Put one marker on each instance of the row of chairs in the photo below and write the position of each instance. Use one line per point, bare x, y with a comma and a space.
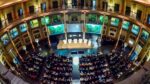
119, 63
95, 69
32, 65
57, 70
86, 41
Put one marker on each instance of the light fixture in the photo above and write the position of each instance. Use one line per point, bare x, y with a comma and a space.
37, 40
125, 45
24, 47
131, 42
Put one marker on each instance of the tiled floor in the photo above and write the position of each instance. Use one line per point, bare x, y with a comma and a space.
76, 82
75, 72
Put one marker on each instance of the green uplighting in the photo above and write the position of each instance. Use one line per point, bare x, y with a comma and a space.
135, 29
145, 35
45, 20
14, 32
92, 17
114, 21
23, 27
125, 25
34, 23
56, 29
56, 18
103, 19
93, 28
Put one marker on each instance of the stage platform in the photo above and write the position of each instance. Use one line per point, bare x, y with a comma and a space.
74, 45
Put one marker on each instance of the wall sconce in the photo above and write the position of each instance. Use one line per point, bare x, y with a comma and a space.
125, 45
24, 48
37, 41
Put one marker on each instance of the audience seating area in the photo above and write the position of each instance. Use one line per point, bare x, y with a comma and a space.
103, 69
119, 63
57, 70
95, 70
32, 65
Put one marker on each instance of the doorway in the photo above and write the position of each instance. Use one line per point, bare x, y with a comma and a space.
31, 9
128, 11
116, 8
55, 4
20, 12
138, 15
9, 17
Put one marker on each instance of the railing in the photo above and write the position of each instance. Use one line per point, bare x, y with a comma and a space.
73, 10
38, 11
